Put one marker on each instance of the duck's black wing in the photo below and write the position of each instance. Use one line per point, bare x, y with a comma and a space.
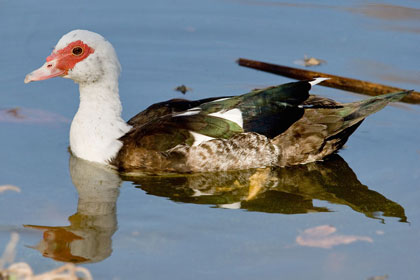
268, 111
169, 107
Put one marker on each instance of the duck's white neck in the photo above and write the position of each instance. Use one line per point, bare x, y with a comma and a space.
98, 125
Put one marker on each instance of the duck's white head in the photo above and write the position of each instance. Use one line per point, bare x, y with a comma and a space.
80, 55
89, 60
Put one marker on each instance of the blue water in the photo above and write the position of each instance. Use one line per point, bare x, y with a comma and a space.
163, 228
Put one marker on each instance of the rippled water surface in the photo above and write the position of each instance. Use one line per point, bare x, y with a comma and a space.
353, 216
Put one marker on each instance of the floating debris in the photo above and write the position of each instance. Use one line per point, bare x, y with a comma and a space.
324, 236
28, 115
383, 277
183, 89
15, 112
380, 232
310, 61
9, 188
23, 271
9, 252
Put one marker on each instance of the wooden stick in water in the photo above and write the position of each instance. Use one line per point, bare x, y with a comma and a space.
334, 81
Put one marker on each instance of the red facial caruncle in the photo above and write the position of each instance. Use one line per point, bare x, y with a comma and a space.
61, 61
69, 56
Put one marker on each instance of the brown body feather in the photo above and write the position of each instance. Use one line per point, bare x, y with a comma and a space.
323, 129
303, 142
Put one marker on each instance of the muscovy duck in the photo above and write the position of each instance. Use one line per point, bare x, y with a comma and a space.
276, 126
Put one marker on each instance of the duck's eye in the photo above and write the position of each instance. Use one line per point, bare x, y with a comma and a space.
77, 51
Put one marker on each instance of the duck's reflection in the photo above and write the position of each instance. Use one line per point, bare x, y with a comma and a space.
88, 237
276, 190
284, 190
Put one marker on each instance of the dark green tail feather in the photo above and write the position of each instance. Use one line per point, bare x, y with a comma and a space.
356, 111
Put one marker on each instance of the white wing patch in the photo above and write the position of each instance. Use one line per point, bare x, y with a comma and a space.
221, 99
199, 138
234, 115
317, 81
198, 193
190, 112
235, 205
197, 110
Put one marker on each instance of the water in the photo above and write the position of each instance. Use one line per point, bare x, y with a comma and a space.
353, 217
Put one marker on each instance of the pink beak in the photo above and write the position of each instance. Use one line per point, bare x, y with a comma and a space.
46, 71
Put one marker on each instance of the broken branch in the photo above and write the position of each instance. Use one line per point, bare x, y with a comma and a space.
334, 81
